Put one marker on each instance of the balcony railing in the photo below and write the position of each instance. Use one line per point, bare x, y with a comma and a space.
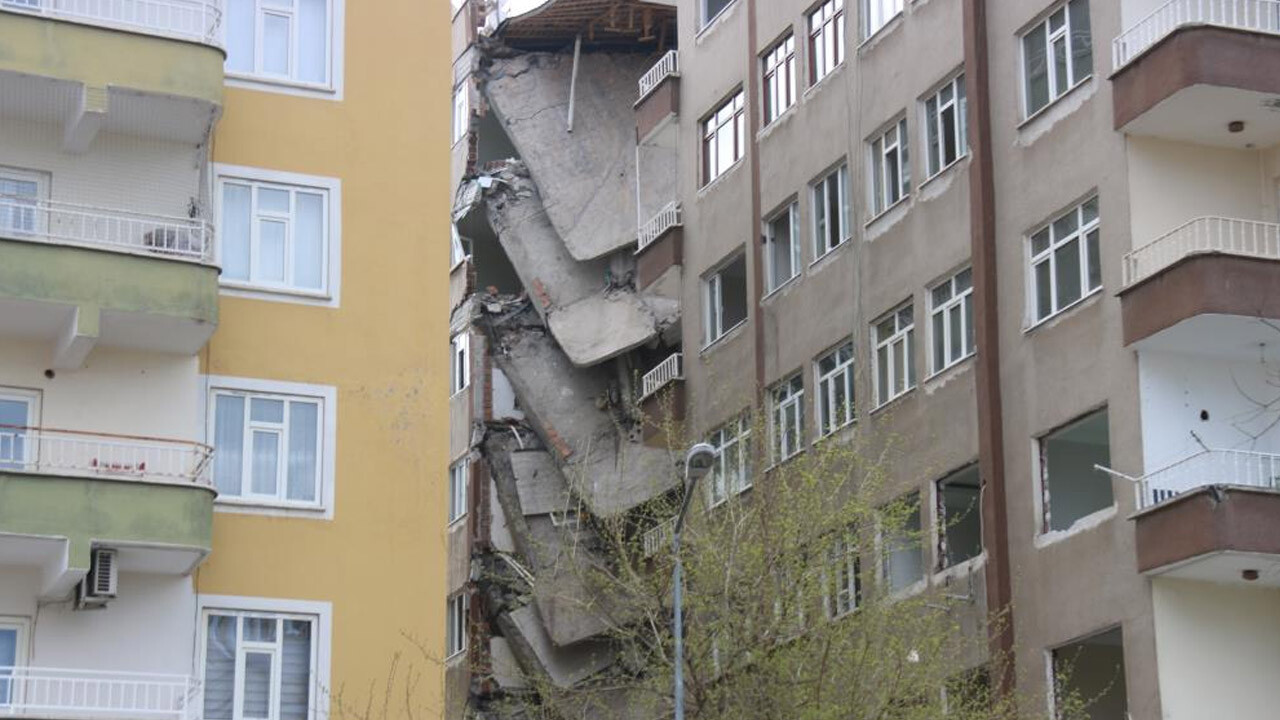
45, 451
194, 20
49, 692
1246, 238
658, 536
667, 65
1254, 15
668, 370
666, 218
179, 238
1209, 467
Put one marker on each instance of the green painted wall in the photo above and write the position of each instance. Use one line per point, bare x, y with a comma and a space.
101, 57
92, 509
105, 280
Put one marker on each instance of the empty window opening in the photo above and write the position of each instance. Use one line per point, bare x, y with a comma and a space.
901, 545
460, 368
959, 517
1073, 488
782, 247
724, 299
1088, 678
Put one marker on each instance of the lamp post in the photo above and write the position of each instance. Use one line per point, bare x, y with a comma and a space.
697, 463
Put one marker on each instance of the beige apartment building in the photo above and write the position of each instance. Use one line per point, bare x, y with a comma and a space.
1033, 242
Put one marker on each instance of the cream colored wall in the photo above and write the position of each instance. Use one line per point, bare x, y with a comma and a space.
1171, 183
1217, 647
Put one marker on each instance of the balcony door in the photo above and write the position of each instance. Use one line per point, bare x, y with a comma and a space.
13, 636
20, 193
19, 411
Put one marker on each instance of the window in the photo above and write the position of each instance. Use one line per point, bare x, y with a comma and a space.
461, 111
959, 497
844, 576
890, 168
951, 308
826, 39
456, 632
712, 8
830, 211
459, 474
1057, 55
779, 78
20, 193
946, 126
460, 362
1072, 487
788, 417
731, 474
878, 13
724, 137
895, 367
459, 247
19, 410
724, 299
901, 544
782, 247
268, 447
13, 636
288, 41
277, 236
1090, 671
259, 665
1065, 263
835, 389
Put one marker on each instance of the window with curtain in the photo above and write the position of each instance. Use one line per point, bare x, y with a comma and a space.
280, 40
267, 447
275, 237
258, 666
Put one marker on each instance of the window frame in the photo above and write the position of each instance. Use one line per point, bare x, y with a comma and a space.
42, 181
868, 31
778, 78
459, 362
887, 550
33, 400
461, 125
714, 125
880, 169
713, 301
904, 334
459, 487
827, 20
331, 89
958, 104
843, 561
330, 188
1051, 36
786, 411
959, 300
941, 521
708, 18
773, 282
822, 215
457, 606
1043, 496
1086, 250
721, 485
21, 625
843, 371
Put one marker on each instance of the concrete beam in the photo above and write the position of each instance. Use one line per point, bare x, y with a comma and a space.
83, 124
77, 338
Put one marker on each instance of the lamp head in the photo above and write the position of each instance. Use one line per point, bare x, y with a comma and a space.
698, 462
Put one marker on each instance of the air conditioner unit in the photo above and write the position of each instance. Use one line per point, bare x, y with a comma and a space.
99, 585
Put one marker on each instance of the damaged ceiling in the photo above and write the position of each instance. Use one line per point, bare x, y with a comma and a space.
601, 23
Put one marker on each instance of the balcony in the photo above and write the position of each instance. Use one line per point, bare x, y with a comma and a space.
659, 245
1201, 71
662, 399
196, 21
47, 693
76, 276
659, 100
64, 491
1190, 278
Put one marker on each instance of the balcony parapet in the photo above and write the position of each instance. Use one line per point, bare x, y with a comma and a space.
1204, 235
163, 236
666, 219
667, 66
47, 451
667, 372
107, 694
1242, 468
1261, 16
191, 20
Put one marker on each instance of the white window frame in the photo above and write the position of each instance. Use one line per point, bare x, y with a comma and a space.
32, 398
958, 304
1064, 35
823, 213
843, 564
888, 151
826, 40
903, 337
726, 482
320, 614
786, 411
459, 362
41, 181
456, 608
331, 189
708, 18
459, 482
826, 385
327, 397
22, 626
877, 14
461, 111
778, 67
773, 280
887, 549
1081, 234
932, 111
729, 117
713, 328
258, 80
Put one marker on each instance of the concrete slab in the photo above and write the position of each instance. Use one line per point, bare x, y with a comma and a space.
541, 486
566, 666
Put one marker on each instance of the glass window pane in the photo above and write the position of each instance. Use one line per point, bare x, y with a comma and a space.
239, 35
968, 324
266, 410
1081, 41
1060, 78
939, 341
1044, 291
235, 231
259, 629
1036, 69
272, 200
266, 462
303, 451
1040, 242
1089, 210
1095, 262
295, 670
257, 685
313, 41
956, 350
949, 150
1067, 272
931, 131
271, 242
275, 44
309, 242
1064, 226
220, 667
882, 373
228, 443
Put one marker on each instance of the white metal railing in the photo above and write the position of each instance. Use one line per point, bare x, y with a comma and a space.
1254, 15
1229, 236
58, 692
1209, 467
658, 536
46, 451
194, 20
667, 371
668, 217
667, 65
180, 238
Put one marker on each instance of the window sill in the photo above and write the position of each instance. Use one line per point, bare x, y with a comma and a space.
911, 590
954, 368
459, 391
721, 178
822, 82
1084, 524
456, 656
893, 400
1057, 108
262, 292
777, 464
777, 122
286, 86
960, 569
875, 219
833, 432
843, 244
874, 38
783, 286
724, 338
946, 170
456, 523
714, 21
1063, 313
261, 507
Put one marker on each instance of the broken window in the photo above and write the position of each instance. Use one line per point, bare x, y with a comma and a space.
835, 389
788, 417
844, 576
458, 473
890, 168
895, 364
779, 66
826, 39
731, 473
830, 212
712, 8
952, 313
724, 137
1088, 677
1073, 487
460, 370
945, 125
456, 628
724, 299
782, 247
959, 517
901, 544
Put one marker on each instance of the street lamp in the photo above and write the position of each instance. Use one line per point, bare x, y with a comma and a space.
697, 463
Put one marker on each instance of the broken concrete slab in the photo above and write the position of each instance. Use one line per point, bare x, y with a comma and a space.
506, 671
541, 486
602, 327
572, 609
565, 666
